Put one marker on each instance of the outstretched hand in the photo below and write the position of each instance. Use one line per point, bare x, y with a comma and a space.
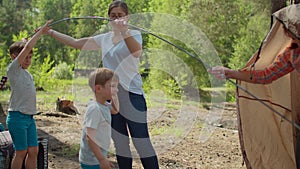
219, 72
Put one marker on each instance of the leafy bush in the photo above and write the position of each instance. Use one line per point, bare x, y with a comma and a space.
251, 35
231, 92
3, 65
42, 72
63, 71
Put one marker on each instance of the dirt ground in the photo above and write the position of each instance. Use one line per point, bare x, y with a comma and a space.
220, 149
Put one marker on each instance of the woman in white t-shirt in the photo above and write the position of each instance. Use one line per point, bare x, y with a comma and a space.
121, 49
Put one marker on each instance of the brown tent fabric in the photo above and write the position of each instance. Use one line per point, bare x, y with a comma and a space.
267, 140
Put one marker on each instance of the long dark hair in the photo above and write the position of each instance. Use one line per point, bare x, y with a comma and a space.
118, 3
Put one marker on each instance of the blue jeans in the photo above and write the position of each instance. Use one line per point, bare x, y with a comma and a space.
133, 114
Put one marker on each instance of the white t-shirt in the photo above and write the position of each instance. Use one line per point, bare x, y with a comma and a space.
118, 58
23, 93
97, 117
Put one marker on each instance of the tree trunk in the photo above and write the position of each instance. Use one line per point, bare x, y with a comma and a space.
277, 4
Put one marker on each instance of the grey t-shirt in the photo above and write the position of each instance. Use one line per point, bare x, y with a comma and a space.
23, 93
97, 117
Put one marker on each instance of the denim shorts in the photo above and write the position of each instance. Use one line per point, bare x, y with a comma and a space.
84, 166
22, 129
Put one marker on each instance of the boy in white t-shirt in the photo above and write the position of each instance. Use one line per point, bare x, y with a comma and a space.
96, 132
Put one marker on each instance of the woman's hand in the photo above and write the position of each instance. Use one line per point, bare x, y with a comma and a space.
219, 72
120, 25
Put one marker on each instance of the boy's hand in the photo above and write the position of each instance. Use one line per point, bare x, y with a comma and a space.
105, 164
45, 28
115, 105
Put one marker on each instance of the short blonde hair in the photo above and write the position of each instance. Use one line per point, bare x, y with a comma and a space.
100, 76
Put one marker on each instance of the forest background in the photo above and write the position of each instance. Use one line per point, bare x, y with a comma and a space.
235, 28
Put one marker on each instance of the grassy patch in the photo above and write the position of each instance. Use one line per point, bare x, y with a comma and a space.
5, 94
71, 151
217, 89
166, 130
156, 101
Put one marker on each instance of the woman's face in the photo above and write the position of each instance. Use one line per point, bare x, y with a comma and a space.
120, 18
117, 13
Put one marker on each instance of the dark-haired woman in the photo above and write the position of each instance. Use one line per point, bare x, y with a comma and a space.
121, 50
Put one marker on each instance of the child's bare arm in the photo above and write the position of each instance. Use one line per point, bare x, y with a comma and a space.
30, 44
104, 163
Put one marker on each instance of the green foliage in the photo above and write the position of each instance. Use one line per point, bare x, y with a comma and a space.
219, 20
172, 88
230, 92
167, 130
63, 71
158, 79
4, 52
71, 151
87, 8
20, 36
42, 72
12, 18
3, 62
177, 8
249, 40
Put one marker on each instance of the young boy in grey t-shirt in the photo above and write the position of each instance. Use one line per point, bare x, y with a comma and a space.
22, 104
96, 132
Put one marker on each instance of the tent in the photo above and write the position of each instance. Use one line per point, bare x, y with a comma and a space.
267, 140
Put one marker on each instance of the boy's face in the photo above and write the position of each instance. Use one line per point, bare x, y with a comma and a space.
27, 61
109, 89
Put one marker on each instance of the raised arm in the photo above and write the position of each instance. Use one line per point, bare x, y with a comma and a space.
134, 47
32, 41
86, 43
